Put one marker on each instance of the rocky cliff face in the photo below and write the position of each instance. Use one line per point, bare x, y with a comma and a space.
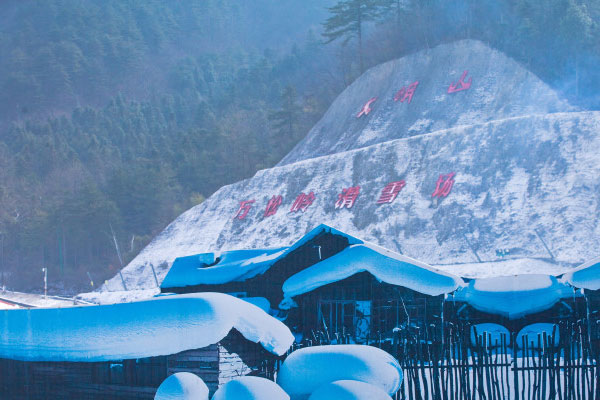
526, 189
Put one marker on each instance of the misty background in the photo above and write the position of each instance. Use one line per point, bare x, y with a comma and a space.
116, 116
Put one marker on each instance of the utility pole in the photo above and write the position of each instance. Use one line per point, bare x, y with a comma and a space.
2, 259
45, 271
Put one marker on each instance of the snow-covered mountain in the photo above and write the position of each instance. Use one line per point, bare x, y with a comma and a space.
526, 185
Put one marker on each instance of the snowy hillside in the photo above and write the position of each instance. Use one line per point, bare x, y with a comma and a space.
526, 181
500, 88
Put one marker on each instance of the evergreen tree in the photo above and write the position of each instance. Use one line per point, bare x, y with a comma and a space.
347, 20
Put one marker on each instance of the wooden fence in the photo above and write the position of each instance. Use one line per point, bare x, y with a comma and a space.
457, 363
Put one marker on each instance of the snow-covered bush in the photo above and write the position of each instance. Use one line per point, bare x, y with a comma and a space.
250, 388
309, 368
349, 390
182, 386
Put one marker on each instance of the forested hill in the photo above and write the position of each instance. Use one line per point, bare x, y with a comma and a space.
116, 116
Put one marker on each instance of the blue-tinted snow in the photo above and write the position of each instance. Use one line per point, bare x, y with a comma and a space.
490, 334
233, 266
307, 369
513, 296
182, 386
534, 334
250, 388
161, 326
236, 265
384, 265
586, 276
349, 390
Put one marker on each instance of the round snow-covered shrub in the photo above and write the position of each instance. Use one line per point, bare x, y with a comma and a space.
250, 388
306, 369
534, 334
349, 390
491, 333
182, 386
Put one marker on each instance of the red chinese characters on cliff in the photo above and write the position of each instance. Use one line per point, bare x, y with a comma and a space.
244, 209
406, 93
347, 198
273, 206
366, 109
444, 185
390, 192
303, 201
461, 84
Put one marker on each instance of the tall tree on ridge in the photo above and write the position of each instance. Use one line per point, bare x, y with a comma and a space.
347, 19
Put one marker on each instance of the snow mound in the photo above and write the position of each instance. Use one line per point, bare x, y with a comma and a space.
161, 326
307, 369
513, 296
250, 388
384, 265
349, 390
489, 334
182, 386
533, 335
120, 296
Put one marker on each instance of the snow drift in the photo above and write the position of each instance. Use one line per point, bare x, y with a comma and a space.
161, 326
306, 369
182, 386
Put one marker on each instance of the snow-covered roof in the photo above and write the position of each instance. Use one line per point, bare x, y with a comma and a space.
513, 296
232, 266
385, 265
161, 326
586, 276
236, 265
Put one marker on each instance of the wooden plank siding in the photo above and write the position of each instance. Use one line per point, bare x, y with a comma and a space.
130, 379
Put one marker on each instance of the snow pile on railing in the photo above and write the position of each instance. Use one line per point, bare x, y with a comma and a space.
161, 326
513, 296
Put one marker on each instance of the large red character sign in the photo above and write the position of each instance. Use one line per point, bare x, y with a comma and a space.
303, 201
366, 109
444, 185
406, 93
390, 192
347, 198
273, 206
461, 84
245, 207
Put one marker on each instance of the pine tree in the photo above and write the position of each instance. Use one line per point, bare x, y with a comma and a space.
347, 19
